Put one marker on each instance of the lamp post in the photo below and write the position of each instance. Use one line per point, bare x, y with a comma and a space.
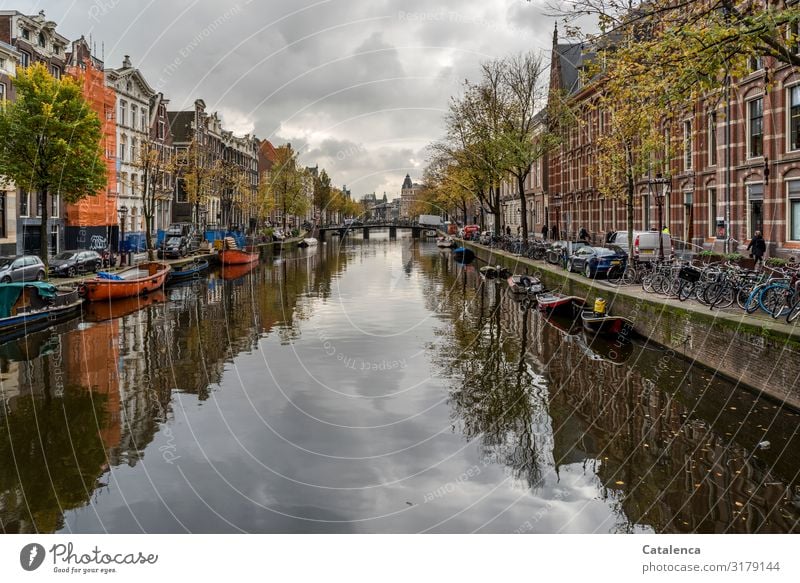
123, 214
658, 188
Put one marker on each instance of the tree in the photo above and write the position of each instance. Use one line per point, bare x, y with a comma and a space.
50, 142
688, 47
449, 185
284, 188
234, 190
323, 195
199, 173
155, 163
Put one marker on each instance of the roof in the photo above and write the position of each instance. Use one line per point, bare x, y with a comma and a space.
267, 150
571, 59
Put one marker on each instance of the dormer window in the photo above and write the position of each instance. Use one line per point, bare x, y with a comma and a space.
56, 50
42, 40
26, 34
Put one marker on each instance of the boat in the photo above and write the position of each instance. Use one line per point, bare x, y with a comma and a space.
601, 323
525, 284
556, 303
493, 271
133, 281
237, 257
308, 242
463, 255
187, 271
445, 242
103, 311
31, 306
236, 271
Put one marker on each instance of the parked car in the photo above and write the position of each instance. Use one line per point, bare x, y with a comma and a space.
179, 240
592, 261
558, 252
645, 244
71, 263
21, 268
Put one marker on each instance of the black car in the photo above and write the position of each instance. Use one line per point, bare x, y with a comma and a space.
71, 263
21, 268
592, 261
179, 240
558, 252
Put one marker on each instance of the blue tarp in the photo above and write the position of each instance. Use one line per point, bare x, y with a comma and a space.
219, 234
134, 243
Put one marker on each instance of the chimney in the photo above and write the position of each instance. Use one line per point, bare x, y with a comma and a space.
126, 62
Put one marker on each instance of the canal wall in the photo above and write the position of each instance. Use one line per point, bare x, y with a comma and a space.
760, 353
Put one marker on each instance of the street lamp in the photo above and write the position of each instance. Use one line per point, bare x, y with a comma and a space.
123, 214
658, 188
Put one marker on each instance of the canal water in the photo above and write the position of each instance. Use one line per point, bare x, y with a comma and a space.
375, 386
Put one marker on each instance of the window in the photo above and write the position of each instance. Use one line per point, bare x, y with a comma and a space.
56, 50
42, 40
39, 204
756, 63
24, 58
133, 150
161, 127
646, 212
793, 209
54, 247
794, 117
123, 145
2, 92
55, 203
26, 34
144, 119
712, 212
2, 63
23, 203
755, 129
123, 180
55, 72
134, 115
3, 215
712, 138
123, 110
687, 145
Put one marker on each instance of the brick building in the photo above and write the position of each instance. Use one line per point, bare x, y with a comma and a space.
757, 189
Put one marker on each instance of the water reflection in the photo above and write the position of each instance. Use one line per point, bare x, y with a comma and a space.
374, 386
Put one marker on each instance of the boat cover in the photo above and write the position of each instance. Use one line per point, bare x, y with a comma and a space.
10, 292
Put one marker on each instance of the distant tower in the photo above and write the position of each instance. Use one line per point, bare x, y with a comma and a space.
407, 184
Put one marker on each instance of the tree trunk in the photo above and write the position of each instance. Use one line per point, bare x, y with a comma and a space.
523, 206
44, 235
498, 225
629, 203
147, 207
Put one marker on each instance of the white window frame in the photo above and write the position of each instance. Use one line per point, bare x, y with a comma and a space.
712, 211
26, 196
788, 124
789, 200
713, 144
748, 135
688, 145
747, 199
55, 206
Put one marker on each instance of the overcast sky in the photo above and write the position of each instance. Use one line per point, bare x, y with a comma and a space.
359, 87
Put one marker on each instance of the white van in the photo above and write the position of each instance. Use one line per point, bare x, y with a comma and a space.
645, 244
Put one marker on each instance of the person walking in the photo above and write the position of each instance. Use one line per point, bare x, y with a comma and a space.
757, 247
508, 230
544, 232
583, 234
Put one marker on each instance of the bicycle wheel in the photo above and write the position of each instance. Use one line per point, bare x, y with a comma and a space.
629, 276
614, 275
772, 300
685, 290
713, 293
751, 305
794, 310
647, 283
673, 287
741, 296
726, 297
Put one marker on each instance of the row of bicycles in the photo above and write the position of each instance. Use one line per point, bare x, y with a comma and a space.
775, 291
533, 249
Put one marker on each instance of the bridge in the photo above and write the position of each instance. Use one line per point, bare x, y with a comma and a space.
344, 230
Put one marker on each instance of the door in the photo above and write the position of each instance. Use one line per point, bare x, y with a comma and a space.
756, 217
17, 272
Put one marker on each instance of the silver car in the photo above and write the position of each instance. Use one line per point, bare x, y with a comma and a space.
21, 268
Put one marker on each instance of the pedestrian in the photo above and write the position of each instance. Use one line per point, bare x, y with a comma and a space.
544, 232
519, 230
665, 229
609, 236
508, 230
757, 247
583, 234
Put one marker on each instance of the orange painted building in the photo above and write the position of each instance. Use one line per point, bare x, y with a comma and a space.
92, 223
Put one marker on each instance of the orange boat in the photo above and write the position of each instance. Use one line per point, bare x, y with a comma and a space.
133, 281
102, 311
237, 257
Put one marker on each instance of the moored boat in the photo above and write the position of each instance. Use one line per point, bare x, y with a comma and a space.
308, 242
237, 257
445, 242
463, 255
525, 284
103, 311
28, 307
558, 303
133, 281
600, 323
235, 271
189, 270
